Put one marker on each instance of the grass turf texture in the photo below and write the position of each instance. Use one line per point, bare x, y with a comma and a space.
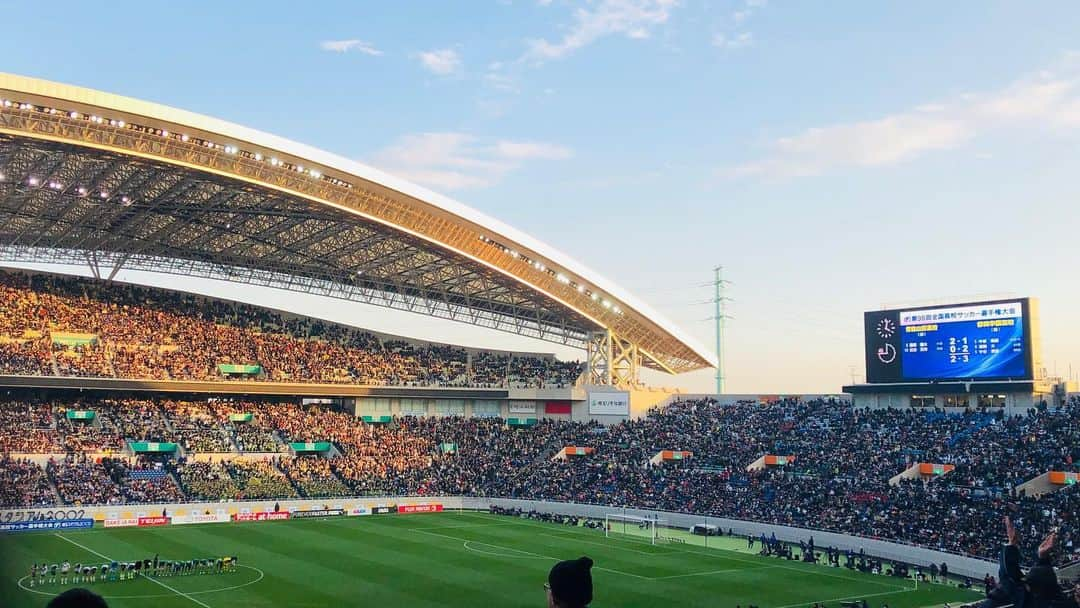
449, 559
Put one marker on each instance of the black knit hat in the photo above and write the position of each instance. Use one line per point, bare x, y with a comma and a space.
571, 581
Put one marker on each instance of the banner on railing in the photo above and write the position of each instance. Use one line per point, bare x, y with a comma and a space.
317, 513
67, 524
232, 368
151, 446
201, 518
262, 516
310, 446
153, 521
421, 508
121, 522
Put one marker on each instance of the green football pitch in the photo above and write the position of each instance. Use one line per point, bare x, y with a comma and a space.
448, 559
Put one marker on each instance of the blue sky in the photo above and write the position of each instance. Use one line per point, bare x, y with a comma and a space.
832, 156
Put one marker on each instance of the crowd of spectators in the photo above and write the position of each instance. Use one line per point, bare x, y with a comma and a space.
144, 333
142, 480
27, 427
843, 474
81, 481
314, 477
196, 426
24, 484
205, 480
257, 479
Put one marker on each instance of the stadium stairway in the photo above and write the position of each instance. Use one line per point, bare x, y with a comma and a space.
292, 482
231, 436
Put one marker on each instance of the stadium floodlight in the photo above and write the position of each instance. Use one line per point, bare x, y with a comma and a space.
184, 137
643, 529
74, 114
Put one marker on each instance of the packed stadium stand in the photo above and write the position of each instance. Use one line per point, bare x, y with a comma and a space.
838, 479
62, 326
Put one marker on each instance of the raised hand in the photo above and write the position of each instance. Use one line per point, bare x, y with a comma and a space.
1010, 531
1047, 545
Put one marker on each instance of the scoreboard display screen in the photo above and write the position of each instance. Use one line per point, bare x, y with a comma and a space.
975, 341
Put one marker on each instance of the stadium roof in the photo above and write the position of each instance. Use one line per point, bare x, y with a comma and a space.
94, 178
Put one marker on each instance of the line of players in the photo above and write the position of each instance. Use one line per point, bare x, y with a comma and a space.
43, 573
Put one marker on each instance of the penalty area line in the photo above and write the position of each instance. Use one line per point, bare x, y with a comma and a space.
149, 578
850, 597
529, 553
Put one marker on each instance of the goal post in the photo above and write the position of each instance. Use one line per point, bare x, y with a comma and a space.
644, 529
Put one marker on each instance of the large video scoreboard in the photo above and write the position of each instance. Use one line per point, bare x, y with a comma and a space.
970, 341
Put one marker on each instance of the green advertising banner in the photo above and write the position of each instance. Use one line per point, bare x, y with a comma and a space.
310, 446
151, 446
448, 448
80, 415
377, 419
521, 421
232, 368
72, 339
240, 417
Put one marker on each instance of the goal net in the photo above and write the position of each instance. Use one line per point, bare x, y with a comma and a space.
646, 529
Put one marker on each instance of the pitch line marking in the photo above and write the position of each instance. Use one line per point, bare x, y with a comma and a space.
127, 597
608, 544
850, 597
720, 552
476, 542
149, 578
612, 570
663, 578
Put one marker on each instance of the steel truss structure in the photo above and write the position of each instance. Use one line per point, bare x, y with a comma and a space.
127, 184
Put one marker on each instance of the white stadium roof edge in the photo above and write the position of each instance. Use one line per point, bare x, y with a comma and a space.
684, 353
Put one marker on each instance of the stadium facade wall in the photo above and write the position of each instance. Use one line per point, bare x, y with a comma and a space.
958, 564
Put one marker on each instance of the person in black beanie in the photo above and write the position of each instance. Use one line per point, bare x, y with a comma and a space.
77, 598
570, 584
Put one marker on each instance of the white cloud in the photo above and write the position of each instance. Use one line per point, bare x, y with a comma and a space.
738, 41
344, 46
631, 18
730, 38
1050, 99
443, 62
531, 150
457, 161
